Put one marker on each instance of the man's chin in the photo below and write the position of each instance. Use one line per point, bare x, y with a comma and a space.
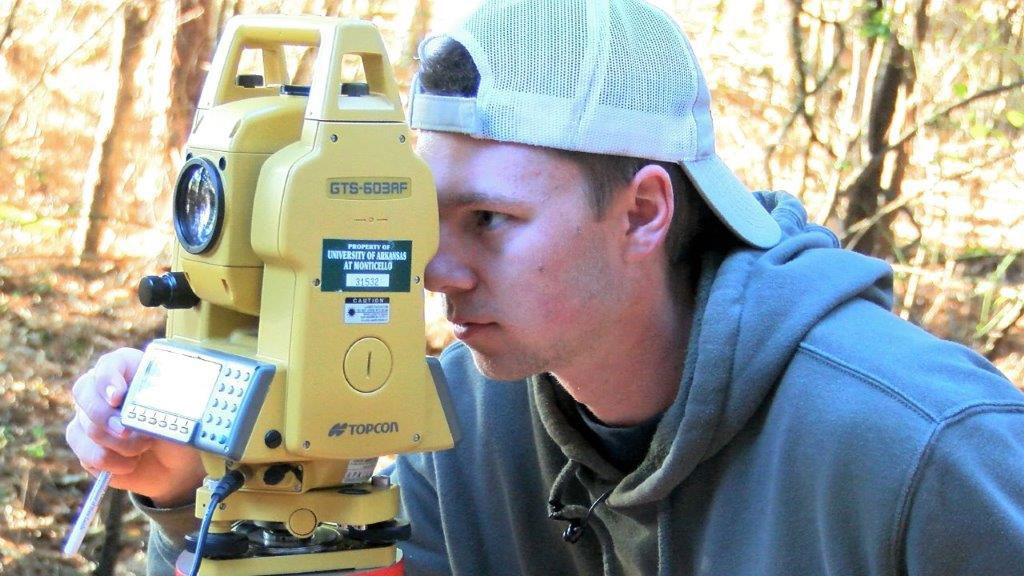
499, 367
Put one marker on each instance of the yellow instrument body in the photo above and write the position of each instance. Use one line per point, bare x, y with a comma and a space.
330, 219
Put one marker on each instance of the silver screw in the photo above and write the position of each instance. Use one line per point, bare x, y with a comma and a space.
415, 279
334, 137
416, 438
305, 445
316, 282
401, 138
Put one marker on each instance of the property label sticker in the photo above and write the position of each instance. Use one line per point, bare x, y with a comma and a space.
367, 310
366, 265
359, 470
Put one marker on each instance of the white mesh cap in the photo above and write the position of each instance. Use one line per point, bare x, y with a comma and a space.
602, 76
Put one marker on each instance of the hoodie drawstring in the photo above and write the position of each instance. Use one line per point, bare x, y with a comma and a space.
577, 526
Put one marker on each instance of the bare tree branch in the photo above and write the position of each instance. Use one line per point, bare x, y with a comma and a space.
803, 93
51, 69
855, 232
876, 160
9, 25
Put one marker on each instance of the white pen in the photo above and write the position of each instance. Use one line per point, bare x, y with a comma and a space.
89, 509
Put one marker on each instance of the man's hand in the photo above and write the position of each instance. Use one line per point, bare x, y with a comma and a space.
168, 473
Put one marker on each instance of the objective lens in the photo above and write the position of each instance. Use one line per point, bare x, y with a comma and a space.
198, 204
200, 207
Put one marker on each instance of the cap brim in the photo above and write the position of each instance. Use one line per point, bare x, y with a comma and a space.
734, 204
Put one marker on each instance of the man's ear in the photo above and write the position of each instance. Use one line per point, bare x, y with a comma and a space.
648, 208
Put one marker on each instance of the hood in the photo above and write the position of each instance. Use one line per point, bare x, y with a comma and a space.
752, 309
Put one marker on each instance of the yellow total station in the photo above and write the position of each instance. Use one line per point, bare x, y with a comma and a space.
294, 354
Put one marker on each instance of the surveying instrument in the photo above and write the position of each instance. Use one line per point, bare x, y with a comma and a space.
294, 354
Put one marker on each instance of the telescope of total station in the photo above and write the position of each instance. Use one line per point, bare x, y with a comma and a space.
294, 353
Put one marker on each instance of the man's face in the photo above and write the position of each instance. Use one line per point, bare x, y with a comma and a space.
528, 272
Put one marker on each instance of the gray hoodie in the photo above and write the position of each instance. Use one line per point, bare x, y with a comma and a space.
813, 433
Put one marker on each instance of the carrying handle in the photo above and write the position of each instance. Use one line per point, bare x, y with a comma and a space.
335, 38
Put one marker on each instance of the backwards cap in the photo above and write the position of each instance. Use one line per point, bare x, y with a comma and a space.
601, 76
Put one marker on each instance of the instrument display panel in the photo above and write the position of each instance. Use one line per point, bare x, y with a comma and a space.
197, 396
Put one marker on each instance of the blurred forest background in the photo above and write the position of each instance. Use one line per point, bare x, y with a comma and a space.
900, 123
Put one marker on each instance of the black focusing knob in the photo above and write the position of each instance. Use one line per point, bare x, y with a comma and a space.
170, 291
250, 80
355, 89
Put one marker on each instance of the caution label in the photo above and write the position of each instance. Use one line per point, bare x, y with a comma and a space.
367, 310
366, 265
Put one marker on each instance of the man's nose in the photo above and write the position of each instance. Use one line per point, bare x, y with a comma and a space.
448, 271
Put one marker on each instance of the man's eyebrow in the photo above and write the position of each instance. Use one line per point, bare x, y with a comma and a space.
471, 197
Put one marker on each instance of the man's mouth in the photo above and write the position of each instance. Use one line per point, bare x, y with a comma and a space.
464, 329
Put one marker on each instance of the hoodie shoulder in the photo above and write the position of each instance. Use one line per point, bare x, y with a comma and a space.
933, 378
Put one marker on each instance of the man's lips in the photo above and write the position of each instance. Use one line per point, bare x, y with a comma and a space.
465, 329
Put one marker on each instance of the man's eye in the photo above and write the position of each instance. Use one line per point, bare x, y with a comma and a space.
487, 219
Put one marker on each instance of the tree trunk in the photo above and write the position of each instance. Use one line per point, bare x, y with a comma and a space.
117, 145
868, 192
418, 29
304, 70
192, 52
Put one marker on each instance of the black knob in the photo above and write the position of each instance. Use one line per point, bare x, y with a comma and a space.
355, 89
272, 439
170, 291
275, 474
250, 80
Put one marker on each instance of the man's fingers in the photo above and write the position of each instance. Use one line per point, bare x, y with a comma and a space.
95, 457
89, 400
111, 383
114, 436
114, 371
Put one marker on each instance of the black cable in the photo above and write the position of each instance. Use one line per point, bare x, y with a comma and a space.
226, 486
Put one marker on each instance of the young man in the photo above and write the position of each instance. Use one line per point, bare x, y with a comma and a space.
659, 373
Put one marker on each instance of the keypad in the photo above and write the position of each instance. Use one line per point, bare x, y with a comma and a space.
223, 405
